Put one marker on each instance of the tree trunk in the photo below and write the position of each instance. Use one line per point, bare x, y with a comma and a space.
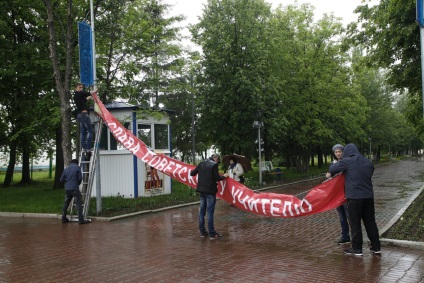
320, 158
11, 167
26, 177
62, 83
59, 160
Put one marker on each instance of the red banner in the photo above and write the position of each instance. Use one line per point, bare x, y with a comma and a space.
323, 197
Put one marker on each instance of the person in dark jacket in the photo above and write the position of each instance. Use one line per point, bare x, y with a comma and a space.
72, 177
341, 210
359, 191
86, 131
207, 187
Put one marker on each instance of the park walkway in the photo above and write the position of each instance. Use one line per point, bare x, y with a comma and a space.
166, 247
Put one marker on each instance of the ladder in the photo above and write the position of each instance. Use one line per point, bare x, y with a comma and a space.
87, 161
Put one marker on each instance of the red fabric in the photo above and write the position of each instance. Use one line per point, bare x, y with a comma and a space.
323, 197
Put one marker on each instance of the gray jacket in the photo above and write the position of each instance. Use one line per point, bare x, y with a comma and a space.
72, 177
358, 172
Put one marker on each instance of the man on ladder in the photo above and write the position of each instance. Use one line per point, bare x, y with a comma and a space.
86, 131
72, 178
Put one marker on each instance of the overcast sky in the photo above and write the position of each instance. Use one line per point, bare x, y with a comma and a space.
192, 9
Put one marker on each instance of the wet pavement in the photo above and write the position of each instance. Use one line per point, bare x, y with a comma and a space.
166, 246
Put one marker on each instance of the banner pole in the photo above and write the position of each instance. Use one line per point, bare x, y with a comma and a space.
422, 62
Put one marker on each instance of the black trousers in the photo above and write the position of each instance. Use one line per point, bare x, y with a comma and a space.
362, 209
69, 194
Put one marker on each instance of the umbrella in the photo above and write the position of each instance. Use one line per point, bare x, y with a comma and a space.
243, 160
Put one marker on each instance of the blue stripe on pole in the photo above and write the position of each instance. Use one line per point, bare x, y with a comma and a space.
420, 16
85, 53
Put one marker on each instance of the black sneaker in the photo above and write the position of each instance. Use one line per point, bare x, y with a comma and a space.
203, 234
353, 252
342, 241
85, 221
216, 236
65, 220
375, 250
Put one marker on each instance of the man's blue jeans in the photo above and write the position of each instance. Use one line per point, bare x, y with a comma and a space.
207, 204
344, 216
86, 130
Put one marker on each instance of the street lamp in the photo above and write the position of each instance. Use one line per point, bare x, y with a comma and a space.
258, 124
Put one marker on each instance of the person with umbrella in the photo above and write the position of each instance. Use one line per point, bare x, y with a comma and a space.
235, 170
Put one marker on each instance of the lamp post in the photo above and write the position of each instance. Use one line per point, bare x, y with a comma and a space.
258, 124
193, 134
370, 149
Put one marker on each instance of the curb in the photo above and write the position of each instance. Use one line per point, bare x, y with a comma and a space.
119, 217
30, 215
401, 243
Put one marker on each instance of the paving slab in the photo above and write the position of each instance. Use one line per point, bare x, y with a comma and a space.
166, 246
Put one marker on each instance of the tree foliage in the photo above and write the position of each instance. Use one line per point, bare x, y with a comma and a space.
24, 79
233, 36
391, 39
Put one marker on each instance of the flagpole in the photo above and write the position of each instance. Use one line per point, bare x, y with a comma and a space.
420, 19
93, 44
93, 49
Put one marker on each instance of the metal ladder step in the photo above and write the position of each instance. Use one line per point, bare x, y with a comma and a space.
87, 163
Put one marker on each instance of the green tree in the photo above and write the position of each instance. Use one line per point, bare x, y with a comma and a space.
319, 102
181, 99
23, 78
233, 36
60, 25
391, 38
138, 57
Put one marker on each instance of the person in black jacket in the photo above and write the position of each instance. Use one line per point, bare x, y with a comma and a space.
86, 131
358, 172
72, 177
207, 187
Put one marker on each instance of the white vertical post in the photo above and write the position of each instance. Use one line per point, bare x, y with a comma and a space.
93, 49
422, 62
93, 44
260, 150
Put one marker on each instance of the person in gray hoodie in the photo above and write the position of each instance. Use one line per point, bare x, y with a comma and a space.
359, 191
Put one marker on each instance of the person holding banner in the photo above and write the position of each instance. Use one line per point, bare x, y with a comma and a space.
358, 172
341, 210
207, 187
86, 131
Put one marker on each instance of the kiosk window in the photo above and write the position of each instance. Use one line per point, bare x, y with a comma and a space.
161, 136
144, 133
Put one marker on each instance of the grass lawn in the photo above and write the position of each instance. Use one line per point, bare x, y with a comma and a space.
39, 197
36, 198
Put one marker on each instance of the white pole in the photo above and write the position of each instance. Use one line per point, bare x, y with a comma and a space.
93, 49
422, 62
93, 44
260, 149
